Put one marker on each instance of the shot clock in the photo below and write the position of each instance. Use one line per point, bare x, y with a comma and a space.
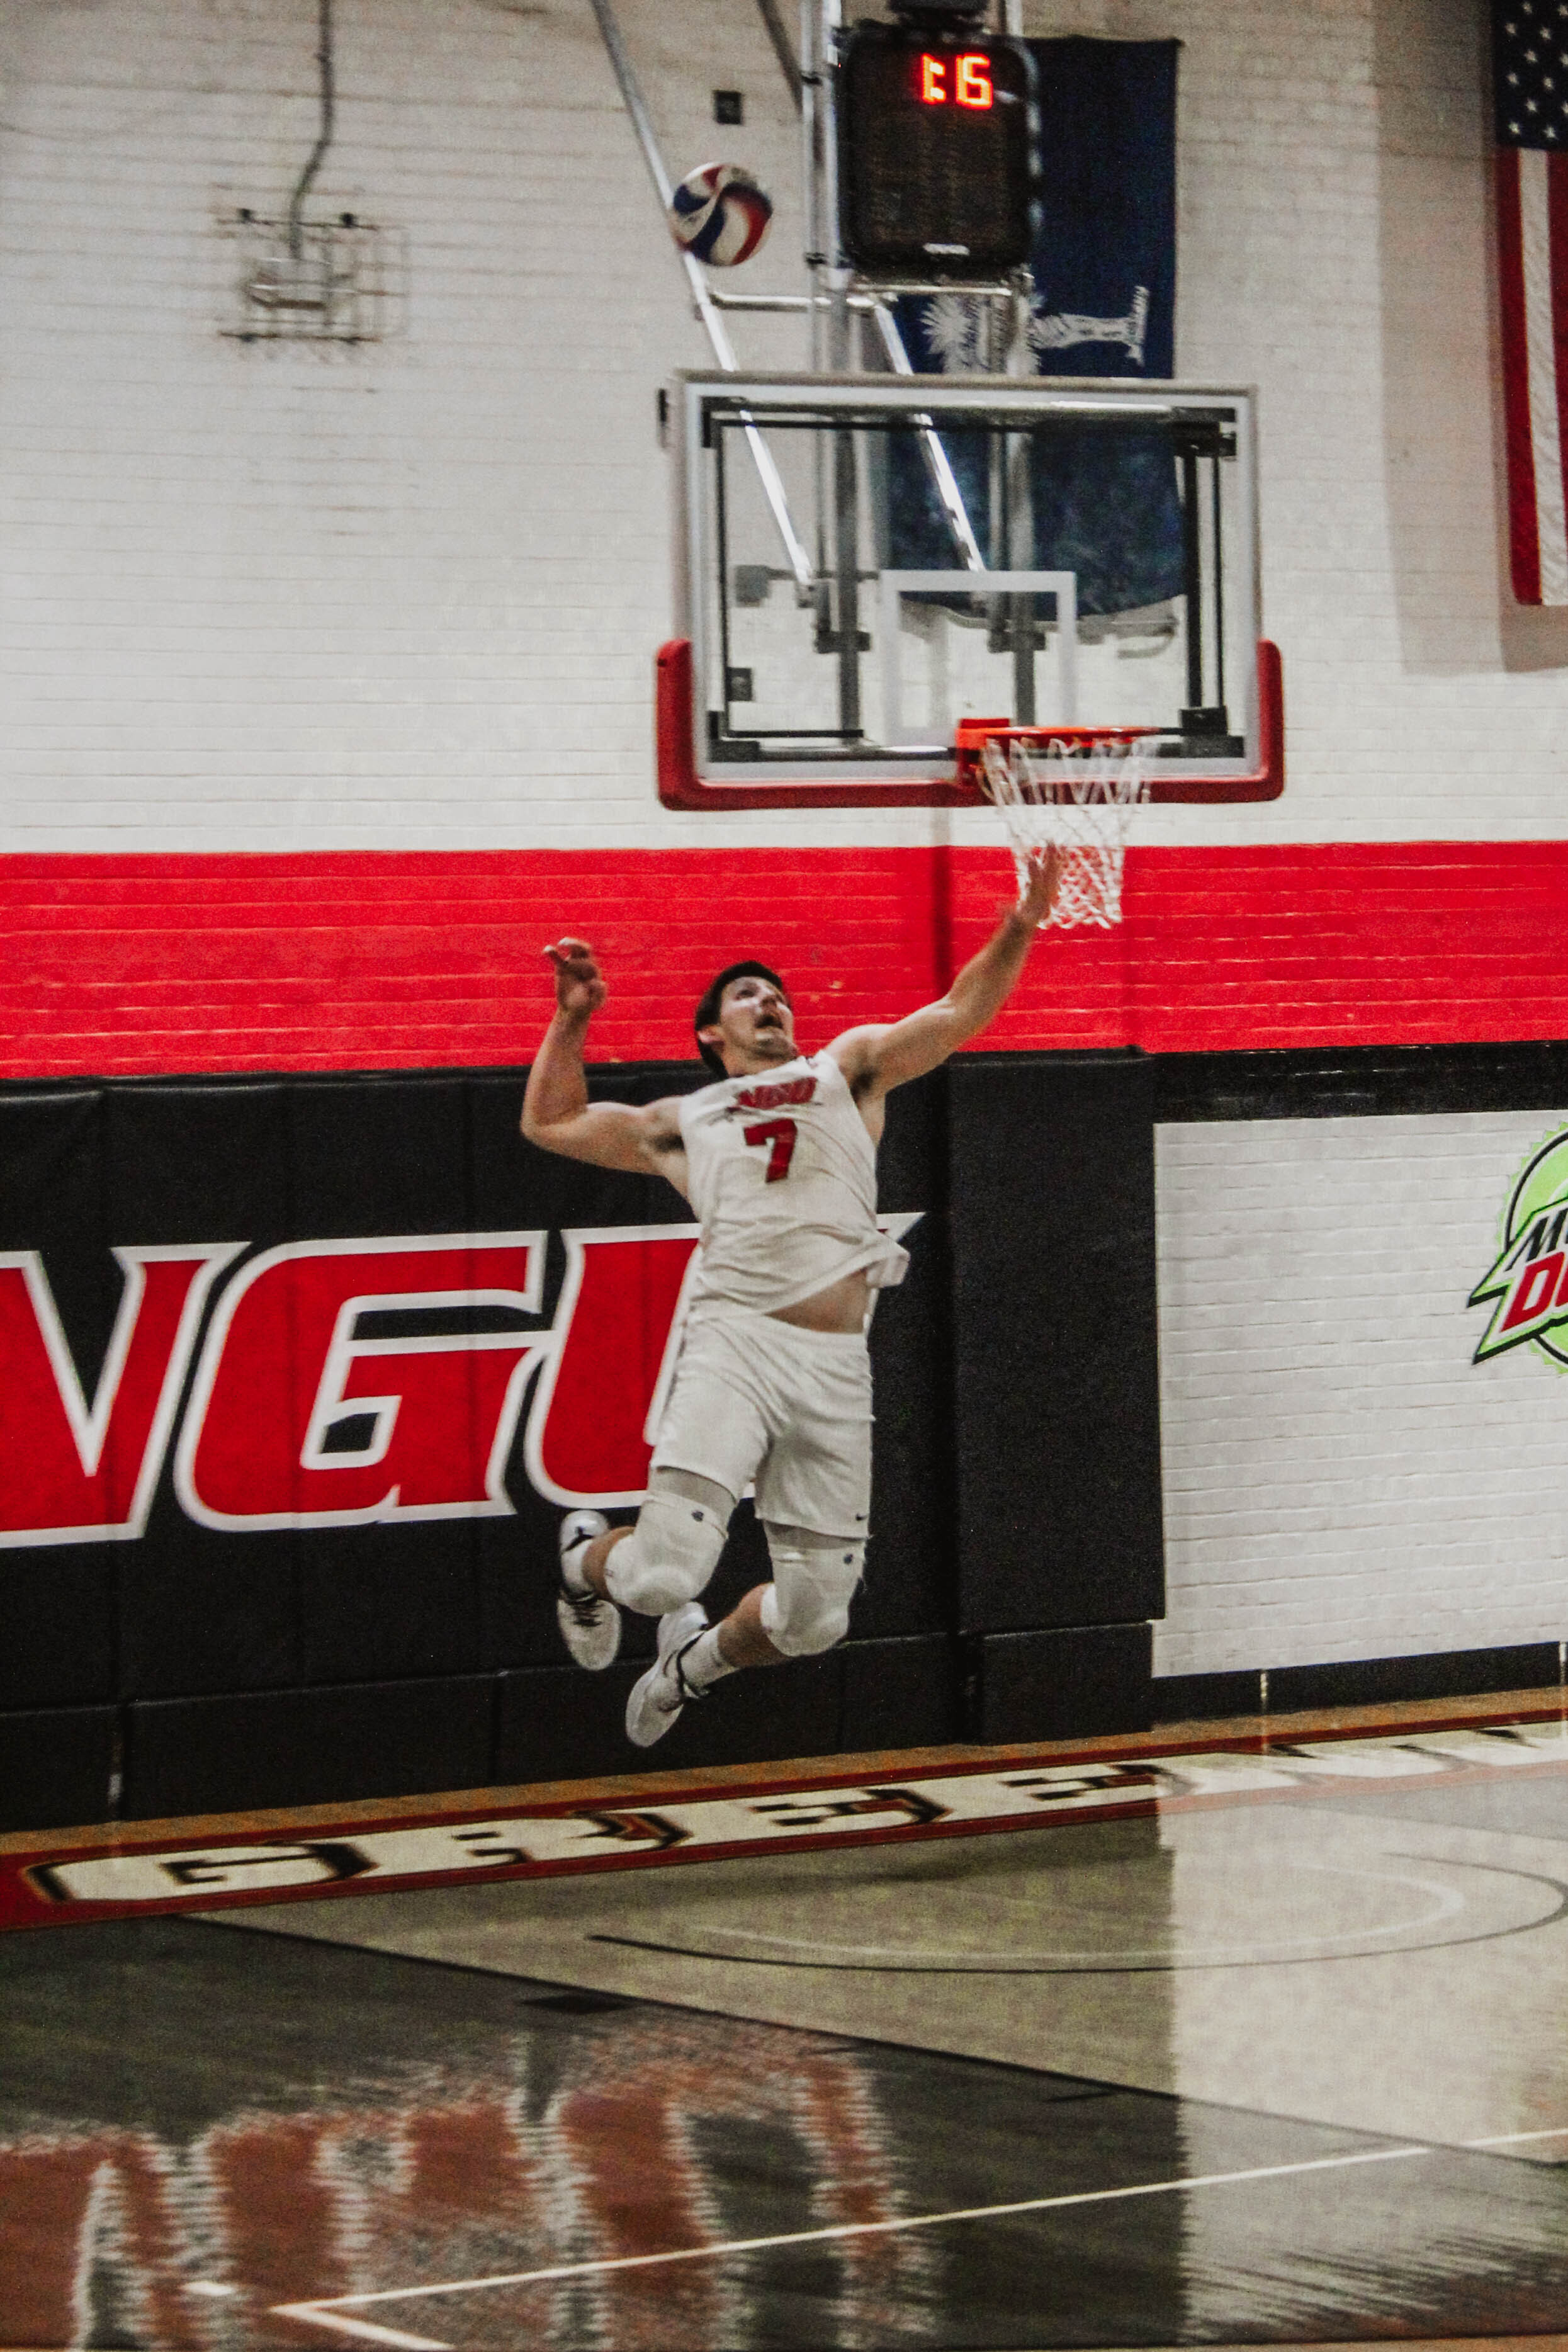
938, 139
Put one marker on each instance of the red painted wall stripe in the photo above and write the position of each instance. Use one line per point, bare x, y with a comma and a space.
147, 965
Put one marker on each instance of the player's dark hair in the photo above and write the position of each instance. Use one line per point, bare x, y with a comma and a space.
712, 997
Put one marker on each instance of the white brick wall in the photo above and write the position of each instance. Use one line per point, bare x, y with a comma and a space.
408, 596
1340, 1481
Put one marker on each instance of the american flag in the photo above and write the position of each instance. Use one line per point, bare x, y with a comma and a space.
1530, 87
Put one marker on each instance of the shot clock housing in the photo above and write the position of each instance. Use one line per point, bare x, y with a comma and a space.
942, 16
938, 149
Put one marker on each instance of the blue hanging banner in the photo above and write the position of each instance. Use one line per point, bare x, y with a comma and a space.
1104, 259
1103, 305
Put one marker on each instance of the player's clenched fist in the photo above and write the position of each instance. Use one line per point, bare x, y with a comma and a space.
580, 985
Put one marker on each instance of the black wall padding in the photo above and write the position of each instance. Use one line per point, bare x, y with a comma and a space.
235, 1752
889, 1686
375, 1155
199, 1611
1077, 1682
1016, 1480
1360, 1681
54, 1767
908, 1583
558, 1724
1056, 1371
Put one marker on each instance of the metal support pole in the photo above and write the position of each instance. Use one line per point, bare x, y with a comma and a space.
811, 167
1020, 543
1021, 553
767, 473
1001, 612
814, 70
942, 479
781, 49
1219, 597
1192, 591
845, 490
846, 571
838, 274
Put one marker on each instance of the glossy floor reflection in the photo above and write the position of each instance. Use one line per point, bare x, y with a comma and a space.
1388, 1955
291, 2120
1206, 2078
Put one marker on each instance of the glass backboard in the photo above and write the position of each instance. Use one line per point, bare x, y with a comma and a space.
864, 562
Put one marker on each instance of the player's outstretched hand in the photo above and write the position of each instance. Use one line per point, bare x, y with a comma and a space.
579, 983
1038, 896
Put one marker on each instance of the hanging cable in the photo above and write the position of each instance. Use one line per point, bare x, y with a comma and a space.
324, 136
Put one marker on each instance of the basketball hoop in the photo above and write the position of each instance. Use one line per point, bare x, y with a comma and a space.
1069, 788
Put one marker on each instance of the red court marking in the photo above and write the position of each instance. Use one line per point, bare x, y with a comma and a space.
59, 1884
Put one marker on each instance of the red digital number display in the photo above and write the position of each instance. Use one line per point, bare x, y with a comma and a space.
964, 80
937, 152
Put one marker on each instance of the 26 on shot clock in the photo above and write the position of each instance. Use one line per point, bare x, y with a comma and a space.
938, 151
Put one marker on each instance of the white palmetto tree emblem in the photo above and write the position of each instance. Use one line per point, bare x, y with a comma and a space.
955, 329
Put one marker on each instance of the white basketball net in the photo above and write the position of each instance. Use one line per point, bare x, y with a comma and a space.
1078, 797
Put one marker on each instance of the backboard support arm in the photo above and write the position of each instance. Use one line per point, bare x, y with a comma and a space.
718, 334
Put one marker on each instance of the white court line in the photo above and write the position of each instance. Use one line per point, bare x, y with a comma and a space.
327, 2312
1512, 2139
364, 2331
1449, 1900
324, 2313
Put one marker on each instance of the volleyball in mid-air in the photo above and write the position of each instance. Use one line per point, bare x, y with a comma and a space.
720, 213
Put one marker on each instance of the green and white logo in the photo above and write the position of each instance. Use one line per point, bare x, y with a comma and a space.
1528, 1281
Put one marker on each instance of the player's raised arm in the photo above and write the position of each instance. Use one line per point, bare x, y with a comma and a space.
874, 1060
557, 1113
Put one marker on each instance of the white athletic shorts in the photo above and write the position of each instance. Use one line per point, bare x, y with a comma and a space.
754, 1399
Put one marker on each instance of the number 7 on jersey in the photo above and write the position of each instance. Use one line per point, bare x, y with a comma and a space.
781, 1133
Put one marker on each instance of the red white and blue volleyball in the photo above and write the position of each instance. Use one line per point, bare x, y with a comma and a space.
720, 213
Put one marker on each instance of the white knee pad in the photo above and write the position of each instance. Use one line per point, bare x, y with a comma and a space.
807, 1606
669, 1556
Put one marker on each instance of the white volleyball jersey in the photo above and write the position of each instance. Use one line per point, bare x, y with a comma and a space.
782, 1174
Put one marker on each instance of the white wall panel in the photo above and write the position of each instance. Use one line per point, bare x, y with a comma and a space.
1340, 1481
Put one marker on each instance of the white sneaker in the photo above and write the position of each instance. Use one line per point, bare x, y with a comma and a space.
589, 1625
658, 1697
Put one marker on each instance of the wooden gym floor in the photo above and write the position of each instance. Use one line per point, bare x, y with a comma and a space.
1256, 2037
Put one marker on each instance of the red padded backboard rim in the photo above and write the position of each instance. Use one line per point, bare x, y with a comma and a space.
681, 787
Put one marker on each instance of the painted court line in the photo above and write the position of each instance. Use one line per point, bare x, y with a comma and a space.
364, 2331
1515, 2139
330, 2311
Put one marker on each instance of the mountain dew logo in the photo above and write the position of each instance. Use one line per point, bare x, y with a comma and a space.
1529, 1282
